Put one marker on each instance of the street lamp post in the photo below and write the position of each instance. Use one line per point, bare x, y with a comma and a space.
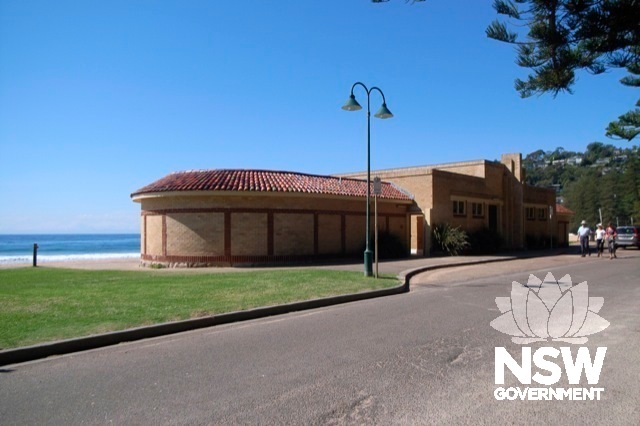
383, 112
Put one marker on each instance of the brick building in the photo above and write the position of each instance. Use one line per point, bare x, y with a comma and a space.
474, 195
226, 217
230, 217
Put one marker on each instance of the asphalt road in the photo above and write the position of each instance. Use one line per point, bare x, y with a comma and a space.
426, 357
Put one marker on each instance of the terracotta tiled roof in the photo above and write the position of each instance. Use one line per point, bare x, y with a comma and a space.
267, 181
563, 210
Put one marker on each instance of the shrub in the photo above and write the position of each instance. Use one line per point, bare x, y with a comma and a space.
390, 246
484, 241
446, 239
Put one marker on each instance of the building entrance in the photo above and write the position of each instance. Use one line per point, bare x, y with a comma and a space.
493, 217
417, 235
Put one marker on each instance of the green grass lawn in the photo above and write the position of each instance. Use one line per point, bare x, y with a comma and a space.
46, 304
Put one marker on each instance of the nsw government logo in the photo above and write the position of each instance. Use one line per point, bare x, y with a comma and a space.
553, 311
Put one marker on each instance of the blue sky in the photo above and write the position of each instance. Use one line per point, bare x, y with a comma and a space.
98, 99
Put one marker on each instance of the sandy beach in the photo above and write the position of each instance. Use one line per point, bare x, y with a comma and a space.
133, 264
124, 264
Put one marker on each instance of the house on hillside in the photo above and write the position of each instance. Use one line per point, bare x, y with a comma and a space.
575, 161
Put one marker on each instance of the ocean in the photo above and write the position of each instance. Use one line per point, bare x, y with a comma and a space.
68, 247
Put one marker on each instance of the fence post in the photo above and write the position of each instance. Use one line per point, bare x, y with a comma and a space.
35, 255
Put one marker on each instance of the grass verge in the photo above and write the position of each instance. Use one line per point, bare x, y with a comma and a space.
40, 305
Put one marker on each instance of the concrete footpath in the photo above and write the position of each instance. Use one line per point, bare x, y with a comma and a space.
404, 269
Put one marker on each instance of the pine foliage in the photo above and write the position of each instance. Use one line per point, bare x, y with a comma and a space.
554, 39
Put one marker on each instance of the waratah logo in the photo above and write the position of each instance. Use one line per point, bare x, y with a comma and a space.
542, 311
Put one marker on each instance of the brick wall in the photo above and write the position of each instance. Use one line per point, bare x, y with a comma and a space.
329, 234
153, 235
194, 234
225, 229
537, 224
494, 185
293, 234
249, 236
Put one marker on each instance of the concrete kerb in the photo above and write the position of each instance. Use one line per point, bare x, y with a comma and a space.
407, 275
30, 353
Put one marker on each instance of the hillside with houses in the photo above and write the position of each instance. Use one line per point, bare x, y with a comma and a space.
600, 184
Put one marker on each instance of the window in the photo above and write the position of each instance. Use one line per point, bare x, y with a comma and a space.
477, 209
531, 213
458, 208
542, 214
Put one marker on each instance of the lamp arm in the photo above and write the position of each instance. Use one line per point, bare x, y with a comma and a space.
384, 101
357, 83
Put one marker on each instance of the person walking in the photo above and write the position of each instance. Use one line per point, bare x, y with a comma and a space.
583, 236
600, 233
611, 240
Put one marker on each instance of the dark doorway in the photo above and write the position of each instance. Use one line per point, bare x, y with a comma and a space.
493, 217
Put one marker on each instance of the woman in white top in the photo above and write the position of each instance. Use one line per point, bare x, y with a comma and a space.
600, 232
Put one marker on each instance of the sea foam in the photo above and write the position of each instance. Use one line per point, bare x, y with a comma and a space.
67, 257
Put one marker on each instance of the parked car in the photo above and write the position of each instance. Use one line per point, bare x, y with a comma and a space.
628, 236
